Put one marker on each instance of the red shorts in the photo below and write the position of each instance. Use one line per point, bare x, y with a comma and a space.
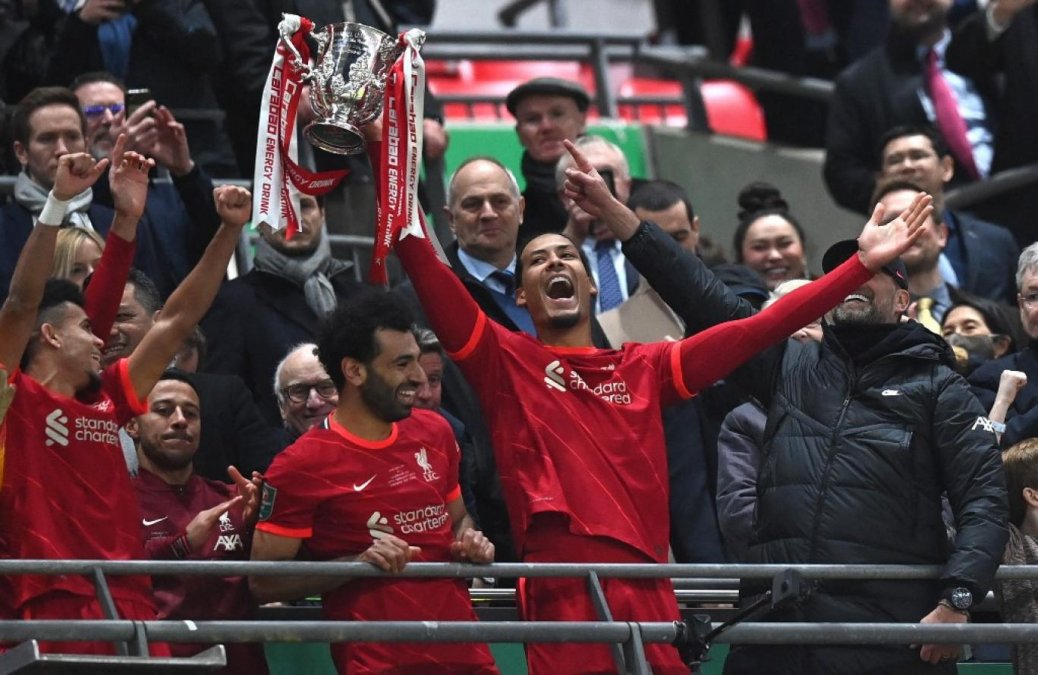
68, 606
547, 599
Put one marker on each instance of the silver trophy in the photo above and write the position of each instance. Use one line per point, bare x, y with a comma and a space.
347, 83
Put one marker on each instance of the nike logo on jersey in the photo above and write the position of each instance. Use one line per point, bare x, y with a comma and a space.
358, 488
149, 523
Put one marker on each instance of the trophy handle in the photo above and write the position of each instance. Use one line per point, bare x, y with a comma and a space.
287, 27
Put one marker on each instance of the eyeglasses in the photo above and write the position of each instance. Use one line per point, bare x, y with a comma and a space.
98, 110
1031, 299
298, 393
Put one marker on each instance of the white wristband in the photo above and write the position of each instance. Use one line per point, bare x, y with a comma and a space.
53, 213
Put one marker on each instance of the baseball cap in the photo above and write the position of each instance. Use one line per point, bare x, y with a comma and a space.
551, 86
742, 281
841, 250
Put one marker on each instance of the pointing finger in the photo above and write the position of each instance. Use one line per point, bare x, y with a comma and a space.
579, 158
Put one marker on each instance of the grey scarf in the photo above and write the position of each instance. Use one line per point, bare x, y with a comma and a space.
309, 271
33, 196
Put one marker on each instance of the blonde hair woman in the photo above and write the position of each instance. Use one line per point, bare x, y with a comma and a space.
76, 254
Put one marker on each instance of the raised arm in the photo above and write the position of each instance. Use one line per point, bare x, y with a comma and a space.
192, 298
104, 292
681, 279
453, 315
76, 172
712, 354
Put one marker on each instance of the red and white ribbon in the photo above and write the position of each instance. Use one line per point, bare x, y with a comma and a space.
399, 213
278, 178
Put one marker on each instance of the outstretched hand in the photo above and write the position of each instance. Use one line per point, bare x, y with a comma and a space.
77, 171
879, 244
233, 204
129, 179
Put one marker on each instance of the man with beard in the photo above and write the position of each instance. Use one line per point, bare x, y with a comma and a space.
578, 431
65, 491
377, 483
294, 285
180, 218
187, 517
904, 81
926, 287
233, 432
865, 430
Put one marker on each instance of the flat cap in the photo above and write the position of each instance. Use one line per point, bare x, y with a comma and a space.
551, 86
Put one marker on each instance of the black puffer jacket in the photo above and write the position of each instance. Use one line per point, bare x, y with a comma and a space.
855, 460
853, 471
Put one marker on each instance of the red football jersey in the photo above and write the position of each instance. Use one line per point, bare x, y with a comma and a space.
582, 430
339, 492
66, 492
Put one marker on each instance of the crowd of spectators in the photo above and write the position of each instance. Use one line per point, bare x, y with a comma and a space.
594, 383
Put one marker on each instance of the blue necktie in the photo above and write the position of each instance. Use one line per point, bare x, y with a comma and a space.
609, 293
506, 301
507, 281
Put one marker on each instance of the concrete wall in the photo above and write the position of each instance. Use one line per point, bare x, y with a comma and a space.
614, 16
714, 169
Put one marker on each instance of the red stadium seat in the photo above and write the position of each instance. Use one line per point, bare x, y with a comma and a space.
733, 110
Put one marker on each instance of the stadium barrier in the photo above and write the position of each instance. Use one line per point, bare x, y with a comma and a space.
627, 639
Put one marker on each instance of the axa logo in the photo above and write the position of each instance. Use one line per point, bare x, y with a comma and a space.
378, 526
422, 457
229, 542
983, 423
56, 428
554, 376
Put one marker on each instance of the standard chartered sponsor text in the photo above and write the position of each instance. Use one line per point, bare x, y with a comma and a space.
425, 519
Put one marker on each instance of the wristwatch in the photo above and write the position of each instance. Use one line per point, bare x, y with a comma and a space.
958, 598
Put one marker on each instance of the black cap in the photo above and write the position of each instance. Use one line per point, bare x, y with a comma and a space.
741, 280
551, 86
841, 250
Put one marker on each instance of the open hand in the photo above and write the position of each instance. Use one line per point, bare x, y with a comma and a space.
879, 244
389, 553
473, 546
129, 179
233, 204
170, 148
77, 171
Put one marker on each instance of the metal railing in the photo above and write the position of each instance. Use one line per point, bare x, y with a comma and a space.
627, 638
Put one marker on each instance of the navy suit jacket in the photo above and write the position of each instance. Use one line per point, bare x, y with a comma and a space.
872, 96
991, 257
16, 225
252, 324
